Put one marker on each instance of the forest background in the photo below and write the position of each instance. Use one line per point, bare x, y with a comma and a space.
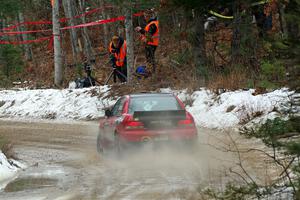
217, 44
225, 45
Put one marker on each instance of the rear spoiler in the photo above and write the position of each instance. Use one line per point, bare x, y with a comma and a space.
159, 115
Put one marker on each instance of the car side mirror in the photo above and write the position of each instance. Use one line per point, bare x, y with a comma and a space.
108, 113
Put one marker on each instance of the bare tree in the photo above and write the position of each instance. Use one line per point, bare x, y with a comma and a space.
69, 9
130, 46
198, 44
105, 15
236, 38
27, 47
87, 42
58, 73
283, 18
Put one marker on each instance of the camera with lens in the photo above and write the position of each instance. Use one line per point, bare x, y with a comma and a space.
87, 68
87, 81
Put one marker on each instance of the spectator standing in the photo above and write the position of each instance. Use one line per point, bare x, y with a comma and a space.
150, 37
117, 50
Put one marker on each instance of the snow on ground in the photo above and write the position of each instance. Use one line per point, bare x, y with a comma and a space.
7, 171
53, 104
228, 110
239, 107
209, 110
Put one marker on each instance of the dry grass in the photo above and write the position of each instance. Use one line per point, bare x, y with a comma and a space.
7, 148
163, 78
232, 81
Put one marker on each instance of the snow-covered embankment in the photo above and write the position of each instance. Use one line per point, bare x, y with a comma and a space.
67, 104
8, 170
233, 109
227, 110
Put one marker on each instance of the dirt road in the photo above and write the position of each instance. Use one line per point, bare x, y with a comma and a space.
63, 164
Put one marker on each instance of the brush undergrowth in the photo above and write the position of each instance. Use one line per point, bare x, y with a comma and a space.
7, 148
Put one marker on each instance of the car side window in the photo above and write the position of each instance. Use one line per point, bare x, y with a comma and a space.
118, 108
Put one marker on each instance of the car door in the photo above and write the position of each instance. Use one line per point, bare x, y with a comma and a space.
111, 122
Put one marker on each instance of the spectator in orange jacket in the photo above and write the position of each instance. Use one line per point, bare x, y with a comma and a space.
117, 50
150, 36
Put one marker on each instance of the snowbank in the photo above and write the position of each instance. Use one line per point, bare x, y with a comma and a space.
7, 171
240, 107
53, 104
227, 110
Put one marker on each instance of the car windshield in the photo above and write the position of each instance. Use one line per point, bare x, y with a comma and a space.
153, 103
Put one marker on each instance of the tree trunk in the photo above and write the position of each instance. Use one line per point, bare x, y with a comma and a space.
69, 12
27, 47
282, 19
106, 31
19, 37
130, 46
1, 24
87, 42
58, 70
236, 38
198, 45
105, 15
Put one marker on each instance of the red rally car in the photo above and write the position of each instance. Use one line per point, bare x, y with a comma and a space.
142, 118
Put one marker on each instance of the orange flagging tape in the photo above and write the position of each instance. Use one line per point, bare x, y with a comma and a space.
61, 20
121, 18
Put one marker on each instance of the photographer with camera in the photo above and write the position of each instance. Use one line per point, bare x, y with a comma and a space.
88, 80
117, 50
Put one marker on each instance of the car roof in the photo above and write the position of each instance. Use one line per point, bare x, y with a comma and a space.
151, 95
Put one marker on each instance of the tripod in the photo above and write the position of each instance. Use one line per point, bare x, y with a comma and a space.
88, 70
114, 71
88, 80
